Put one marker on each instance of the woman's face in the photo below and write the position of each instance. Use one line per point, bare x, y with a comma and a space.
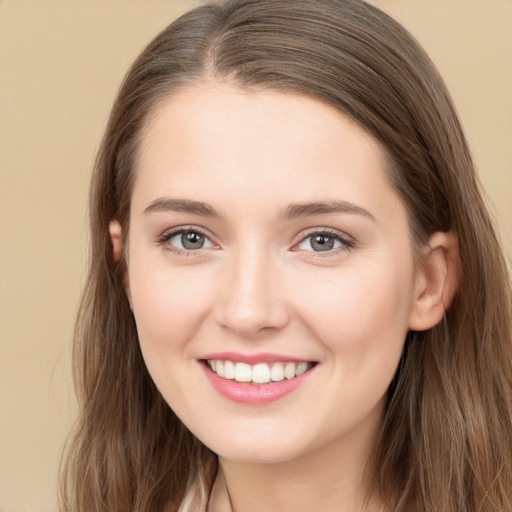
270, 271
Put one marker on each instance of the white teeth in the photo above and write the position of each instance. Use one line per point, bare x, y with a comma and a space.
260, 373
243, 372
229, 370
220, 369
289, 370
301, 368
277, 372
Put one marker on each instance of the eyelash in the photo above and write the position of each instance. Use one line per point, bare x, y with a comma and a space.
168, 235
347, 243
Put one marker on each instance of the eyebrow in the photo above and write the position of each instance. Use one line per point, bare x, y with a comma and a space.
301, 210
292, 211
164, 204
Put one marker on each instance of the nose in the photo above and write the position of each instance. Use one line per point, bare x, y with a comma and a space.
252, 301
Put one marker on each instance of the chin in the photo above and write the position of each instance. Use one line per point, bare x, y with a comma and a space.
258, 448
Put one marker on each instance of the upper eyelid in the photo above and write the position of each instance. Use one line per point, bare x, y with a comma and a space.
321, 230
182, 229
169, 233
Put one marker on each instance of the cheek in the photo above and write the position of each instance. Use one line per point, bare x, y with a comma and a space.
169, 306
361, 321
360, 309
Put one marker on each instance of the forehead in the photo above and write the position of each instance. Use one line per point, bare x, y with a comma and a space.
212, 108
209, 139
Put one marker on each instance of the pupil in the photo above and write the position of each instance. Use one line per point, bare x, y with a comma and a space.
192, 240
322, 243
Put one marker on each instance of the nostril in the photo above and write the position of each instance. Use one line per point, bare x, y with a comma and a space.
257, 323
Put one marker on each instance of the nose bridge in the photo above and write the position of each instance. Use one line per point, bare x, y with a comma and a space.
252, 298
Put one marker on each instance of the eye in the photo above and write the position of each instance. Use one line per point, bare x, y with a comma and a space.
185, 240
324, 241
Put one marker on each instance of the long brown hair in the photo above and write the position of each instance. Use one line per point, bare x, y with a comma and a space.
446, 439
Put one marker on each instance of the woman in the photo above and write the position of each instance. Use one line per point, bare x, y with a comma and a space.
296, 300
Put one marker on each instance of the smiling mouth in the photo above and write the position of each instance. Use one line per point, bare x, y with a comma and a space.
260, 373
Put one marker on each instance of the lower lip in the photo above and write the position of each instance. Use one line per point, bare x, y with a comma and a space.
253, 394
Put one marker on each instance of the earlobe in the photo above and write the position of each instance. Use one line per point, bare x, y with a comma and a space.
436, 282
115, 231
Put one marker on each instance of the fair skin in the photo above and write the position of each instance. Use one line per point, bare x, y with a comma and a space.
264, 231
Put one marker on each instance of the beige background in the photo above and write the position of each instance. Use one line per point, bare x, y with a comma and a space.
60, 65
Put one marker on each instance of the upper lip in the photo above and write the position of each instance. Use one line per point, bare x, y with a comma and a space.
252, 359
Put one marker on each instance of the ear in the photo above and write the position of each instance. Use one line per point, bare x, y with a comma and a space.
116, 232
436, 281
116, 238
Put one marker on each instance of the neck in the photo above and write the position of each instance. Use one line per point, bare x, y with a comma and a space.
332, 477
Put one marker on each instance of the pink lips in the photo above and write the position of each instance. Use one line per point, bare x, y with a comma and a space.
252, 394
